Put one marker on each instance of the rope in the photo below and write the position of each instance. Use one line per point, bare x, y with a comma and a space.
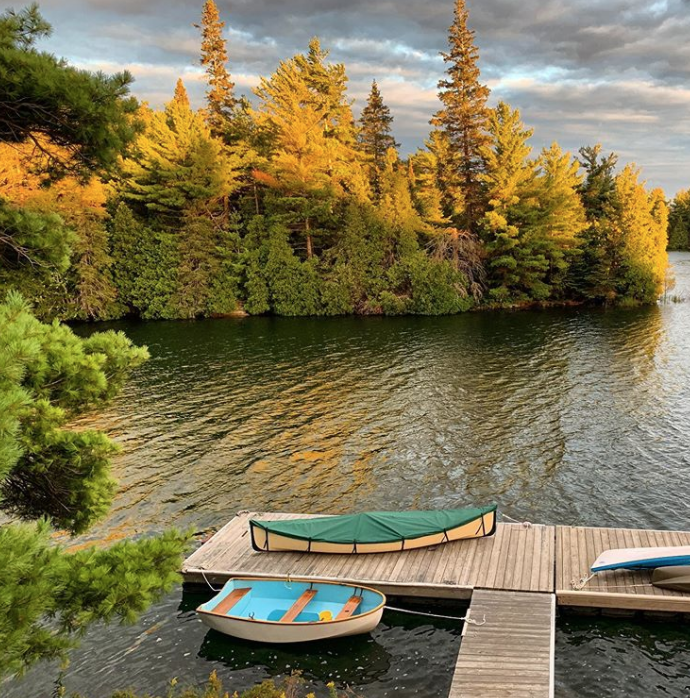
526, 524
579, 586
207, 582
467, 619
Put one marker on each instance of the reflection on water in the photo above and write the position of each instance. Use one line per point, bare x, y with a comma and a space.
620, 659
577, 416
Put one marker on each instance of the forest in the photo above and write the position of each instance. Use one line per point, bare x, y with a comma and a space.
286, 204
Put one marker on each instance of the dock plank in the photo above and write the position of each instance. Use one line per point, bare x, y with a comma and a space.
512, 653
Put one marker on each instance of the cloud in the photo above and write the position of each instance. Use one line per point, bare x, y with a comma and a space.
580, 71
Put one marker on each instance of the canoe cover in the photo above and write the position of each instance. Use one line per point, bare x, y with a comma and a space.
374, 526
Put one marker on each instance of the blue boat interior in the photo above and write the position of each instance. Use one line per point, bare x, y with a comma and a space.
290, 601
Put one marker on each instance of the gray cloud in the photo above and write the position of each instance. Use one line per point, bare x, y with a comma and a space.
616, 71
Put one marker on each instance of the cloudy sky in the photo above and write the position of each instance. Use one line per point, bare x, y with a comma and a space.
580, 71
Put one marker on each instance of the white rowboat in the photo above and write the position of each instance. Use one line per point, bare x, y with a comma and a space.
285, 611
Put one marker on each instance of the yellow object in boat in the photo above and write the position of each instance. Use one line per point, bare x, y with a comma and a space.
325, 615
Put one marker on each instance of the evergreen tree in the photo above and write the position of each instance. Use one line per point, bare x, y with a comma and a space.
205, 278
599, 184
87, 114
560, 220
640, 219
49, 376
307, 124
516, 267
679, 222
181, 96
34, 248
591, 272
178, 165
461, 248
375, 135
397, 209
624, 256
127, 238
220, 98
464, 116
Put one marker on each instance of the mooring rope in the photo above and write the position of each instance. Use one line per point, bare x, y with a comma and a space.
526, 524
467, 619
207, 582
579, 586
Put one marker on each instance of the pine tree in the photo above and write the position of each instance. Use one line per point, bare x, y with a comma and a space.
44, 100
375, 135
599, 185
34, 248
306, 121
220, 98
679, 222
178, 164
516, 267
464, 116
397, 209
49, 377
556, 227
641, 221
180, 95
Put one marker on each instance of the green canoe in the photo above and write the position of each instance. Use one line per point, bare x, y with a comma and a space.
376, 531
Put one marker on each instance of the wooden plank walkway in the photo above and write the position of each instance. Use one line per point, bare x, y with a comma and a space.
516, 558
512, 654
578, 547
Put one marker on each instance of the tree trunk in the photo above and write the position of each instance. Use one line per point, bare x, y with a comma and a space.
307, 229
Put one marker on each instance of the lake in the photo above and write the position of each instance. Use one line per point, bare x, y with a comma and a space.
572, 416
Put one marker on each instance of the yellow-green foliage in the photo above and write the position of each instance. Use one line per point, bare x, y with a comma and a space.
177, 164
640, 222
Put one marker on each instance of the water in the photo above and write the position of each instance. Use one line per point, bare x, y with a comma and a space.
573, 416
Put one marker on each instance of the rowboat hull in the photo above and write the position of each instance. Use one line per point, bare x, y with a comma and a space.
289, 611
289, 633
674, 578
270, 541
642, 558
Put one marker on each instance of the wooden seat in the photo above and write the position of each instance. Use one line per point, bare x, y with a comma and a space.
349, 608
230, 600
298, 606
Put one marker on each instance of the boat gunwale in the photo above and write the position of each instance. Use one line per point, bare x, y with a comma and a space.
302, 622
490, 509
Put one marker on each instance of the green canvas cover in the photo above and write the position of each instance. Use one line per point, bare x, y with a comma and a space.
374, 526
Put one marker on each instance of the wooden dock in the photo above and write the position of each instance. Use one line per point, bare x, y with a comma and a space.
515, 578
511, 655
578, 547
516, 558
